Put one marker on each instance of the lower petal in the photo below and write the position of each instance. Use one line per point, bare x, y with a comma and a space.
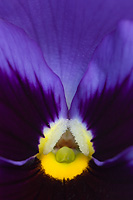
29, 182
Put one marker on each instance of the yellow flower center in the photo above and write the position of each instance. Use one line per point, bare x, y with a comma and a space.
66, 149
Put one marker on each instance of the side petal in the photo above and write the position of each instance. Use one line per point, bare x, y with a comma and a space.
19, 182
67, 31
28, 182
119, 168
31, 95
104, 99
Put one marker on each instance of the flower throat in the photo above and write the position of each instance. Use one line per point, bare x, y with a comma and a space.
66, 149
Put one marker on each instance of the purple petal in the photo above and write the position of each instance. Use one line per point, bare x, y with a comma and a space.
104, 97
31, 95
67, 31
29, 182
120, 167
99, 184
19, 182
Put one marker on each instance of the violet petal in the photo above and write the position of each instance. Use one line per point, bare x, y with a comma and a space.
29, 182
31, 95
104, 99
67, 31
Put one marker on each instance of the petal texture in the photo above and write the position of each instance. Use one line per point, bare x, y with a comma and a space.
67, 31
31, 95
104, 99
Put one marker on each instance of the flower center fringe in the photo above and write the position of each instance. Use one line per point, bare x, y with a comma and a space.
66, 149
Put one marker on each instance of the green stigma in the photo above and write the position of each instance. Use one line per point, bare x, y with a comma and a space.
65, 155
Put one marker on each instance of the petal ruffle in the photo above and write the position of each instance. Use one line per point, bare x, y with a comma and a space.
31, 95
67, 31
104, 97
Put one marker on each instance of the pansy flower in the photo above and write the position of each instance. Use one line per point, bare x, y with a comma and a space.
66, 113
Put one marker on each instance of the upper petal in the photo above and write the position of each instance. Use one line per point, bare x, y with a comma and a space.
31, 95
104, 99
67, 31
